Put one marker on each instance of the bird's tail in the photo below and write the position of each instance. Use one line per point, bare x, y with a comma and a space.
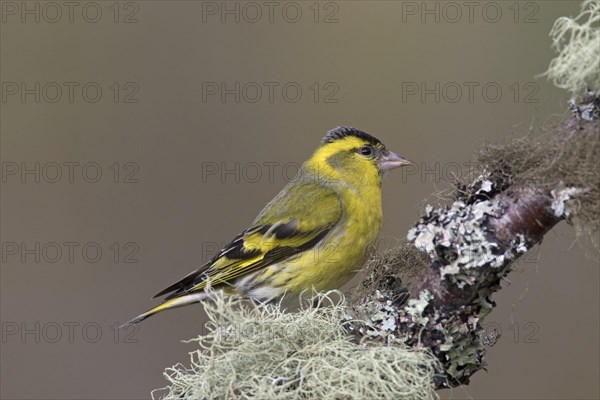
167, 305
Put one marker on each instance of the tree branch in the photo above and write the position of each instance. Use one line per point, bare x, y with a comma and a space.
471, 245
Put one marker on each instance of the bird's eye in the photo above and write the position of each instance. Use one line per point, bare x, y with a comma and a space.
366, 150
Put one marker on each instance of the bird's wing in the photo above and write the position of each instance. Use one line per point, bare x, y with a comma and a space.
293, 222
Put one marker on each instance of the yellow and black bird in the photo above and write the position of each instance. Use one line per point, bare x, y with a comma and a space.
314, 234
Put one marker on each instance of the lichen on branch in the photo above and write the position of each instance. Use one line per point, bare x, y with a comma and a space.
577, 40
260, 351
526, 187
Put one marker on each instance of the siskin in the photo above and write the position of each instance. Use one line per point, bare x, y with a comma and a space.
314, 234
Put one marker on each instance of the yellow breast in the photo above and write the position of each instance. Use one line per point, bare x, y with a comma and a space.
343, 251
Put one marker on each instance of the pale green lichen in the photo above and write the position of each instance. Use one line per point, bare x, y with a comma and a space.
560, 200
453, 237
416, 307
577, 41
262, 352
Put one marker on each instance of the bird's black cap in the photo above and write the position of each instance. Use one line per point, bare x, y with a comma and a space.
344, 131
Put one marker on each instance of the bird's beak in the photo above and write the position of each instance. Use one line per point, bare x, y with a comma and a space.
391, 160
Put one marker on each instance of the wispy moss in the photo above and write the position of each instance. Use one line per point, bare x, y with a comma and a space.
577, 41
261, 352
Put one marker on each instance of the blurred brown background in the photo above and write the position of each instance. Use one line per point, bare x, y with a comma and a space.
145, 94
